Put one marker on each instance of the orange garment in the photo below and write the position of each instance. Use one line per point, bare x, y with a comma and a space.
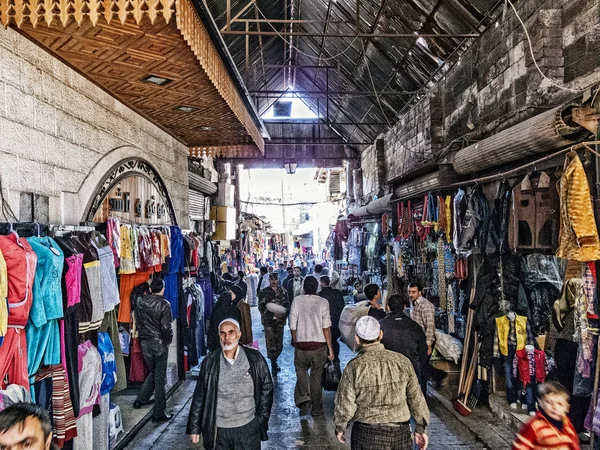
127, 283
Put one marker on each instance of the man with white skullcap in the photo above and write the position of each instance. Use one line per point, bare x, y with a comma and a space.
380, 391
232, 401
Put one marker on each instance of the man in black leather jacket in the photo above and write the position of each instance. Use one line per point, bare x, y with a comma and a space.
153, 320
232, 401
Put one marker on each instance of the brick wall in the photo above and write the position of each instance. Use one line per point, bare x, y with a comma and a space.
60, 134
496, 84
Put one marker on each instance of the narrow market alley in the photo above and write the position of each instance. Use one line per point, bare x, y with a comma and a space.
287, 430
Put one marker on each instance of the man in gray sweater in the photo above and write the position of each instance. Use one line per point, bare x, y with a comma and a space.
233, 397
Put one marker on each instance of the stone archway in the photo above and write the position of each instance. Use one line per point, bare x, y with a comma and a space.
127, 159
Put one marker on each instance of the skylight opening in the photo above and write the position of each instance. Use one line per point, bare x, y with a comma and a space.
289, 106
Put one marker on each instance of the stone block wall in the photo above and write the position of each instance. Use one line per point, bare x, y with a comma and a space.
60, 134
495, 84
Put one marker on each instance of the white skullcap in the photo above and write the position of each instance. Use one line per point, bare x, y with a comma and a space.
368, 328
233, 321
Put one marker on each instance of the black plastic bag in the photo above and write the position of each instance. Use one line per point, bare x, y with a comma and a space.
331, 376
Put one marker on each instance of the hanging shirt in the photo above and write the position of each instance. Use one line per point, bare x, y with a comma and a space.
110, 289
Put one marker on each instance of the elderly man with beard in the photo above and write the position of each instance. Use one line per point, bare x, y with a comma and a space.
232, 401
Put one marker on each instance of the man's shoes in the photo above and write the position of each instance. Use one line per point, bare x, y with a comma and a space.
304, 408
274, 367
163, 418
138, 405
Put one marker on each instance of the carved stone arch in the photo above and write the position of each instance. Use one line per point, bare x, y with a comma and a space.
112, 168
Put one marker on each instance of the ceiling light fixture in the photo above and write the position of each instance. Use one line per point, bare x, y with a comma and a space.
159, 81
185, 109
290, 168
205, 128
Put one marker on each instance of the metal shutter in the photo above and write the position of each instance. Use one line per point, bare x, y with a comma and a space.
197, 205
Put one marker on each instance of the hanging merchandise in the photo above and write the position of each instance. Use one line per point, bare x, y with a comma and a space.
535, 219
42, 330
110, 289
458, 213
474, 227
497, 240
578, 238
90, 378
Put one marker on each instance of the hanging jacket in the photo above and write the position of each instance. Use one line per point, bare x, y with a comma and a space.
535, 214
458, 213
578, 238
3, 298
474, 224
497, 240
503, 327
21, 264
523, 366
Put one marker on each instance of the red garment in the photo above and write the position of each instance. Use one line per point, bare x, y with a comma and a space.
13, 359
523, 366
539, 434
21, 262
138, 370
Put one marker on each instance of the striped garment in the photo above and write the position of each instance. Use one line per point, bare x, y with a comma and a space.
63, 419
540, 434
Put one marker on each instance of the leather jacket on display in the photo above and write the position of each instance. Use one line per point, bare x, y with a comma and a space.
153, 319
203, 412
475, 222
497, 241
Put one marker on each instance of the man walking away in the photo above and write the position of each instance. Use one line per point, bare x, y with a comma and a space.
373, 294
153, 321
336, 305
380, 391
423, 312
245, 315
263, 280
253, 287
318, 271
403, 335
232, 401
272, 322
242, 284
310, 325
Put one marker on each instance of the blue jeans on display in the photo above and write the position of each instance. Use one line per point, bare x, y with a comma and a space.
513, 386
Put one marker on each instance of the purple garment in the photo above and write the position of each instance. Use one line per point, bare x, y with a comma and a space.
208, 296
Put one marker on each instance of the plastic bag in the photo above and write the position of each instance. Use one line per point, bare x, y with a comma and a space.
331, 376
348, 318
447, 346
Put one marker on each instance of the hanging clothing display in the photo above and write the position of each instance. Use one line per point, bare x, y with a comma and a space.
578, 238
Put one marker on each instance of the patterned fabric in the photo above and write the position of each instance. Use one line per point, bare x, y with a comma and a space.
423, 312
450, 309
589, 287
380, 386
63, 418
381, 437
441, 273
539, 434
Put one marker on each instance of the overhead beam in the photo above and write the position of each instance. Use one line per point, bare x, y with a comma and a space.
354, 35
276, 93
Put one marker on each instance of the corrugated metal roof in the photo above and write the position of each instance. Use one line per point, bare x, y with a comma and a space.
398, 66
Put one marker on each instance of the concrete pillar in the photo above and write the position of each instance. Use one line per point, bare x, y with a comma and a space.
381, 170
350, 181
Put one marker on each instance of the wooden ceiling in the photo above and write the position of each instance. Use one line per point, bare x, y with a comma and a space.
139, 40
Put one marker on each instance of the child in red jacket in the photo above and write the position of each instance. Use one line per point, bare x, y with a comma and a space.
550, 428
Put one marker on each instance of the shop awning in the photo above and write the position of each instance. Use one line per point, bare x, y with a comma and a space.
375, 208
201, 184
545, 132
434, 181
304, 228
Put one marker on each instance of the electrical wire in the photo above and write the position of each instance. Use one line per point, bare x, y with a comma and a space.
7, 211
281, 204
554, 83
317, 58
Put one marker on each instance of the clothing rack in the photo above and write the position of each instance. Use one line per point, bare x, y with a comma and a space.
60, 230
24, 229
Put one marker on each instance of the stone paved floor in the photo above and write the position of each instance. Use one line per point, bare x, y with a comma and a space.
286, 429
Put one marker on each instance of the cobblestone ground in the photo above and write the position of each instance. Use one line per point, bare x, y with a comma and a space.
286, 429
